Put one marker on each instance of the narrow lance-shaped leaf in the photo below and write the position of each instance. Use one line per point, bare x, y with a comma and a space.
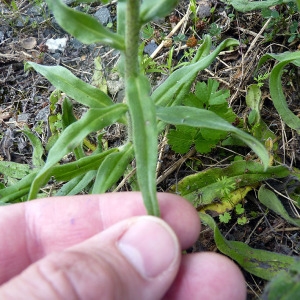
38, 150
69, 186
270, 200
284, 56
68, 118
178, 115
82, 166
178, 84
245, 5
278, 97
75, 88
71, 137
261, 263
84, 27
144, 135
17, 190
112, 169
151, 9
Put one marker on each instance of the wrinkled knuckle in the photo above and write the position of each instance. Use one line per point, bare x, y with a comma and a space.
74, 275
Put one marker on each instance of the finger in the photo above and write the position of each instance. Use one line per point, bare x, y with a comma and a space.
134, 259
208, 276
31, 230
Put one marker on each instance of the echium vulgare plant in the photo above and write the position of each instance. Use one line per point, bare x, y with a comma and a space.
144, 113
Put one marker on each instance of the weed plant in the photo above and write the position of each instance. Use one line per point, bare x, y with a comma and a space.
203, 116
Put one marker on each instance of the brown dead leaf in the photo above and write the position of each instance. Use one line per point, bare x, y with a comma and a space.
28, 43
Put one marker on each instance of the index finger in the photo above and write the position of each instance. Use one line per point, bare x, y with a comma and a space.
31, 230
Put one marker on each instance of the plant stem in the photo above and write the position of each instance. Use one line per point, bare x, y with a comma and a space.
132, 38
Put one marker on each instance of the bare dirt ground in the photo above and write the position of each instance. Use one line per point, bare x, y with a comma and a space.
25, 28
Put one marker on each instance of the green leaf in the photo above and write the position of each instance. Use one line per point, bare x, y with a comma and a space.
245, 5
194, 117
155, 9
178, 84
280, 57
284, 286
72, 136
270, 200
278, 97
263, 264
82, 166
38, 150
253, 100
144, 136
276, 86
84, 27
77, 184
68, 118
182, 138
225, 218
239, 209
75, 88
112, 168
98, 79
17, 190
242, 220
14, 170
241, 173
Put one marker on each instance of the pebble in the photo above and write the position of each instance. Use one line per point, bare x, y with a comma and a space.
103, 16
56, 44
150, 48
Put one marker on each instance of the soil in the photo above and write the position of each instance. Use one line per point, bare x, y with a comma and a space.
25, 30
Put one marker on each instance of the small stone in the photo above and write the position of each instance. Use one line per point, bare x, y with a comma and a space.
1, 36
114, 84
103, 16
204, 9
56, 44
43, 114
150, 48
69, 2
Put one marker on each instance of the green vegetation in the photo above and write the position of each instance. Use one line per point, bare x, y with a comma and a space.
189, 112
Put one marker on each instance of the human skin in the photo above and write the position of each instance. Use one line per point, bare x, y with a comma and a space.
104, 246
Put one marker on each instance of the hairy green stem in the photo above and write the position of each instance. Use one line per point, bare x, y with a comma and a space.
132, 38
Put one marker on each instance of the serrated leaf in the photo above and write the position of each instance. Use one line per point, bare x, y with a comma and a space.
84, 27
204, 146
182, 138
239, 209
225, 218
13, 169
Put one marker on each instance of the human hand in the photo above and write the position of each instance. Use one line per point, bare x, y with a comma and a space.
104, 247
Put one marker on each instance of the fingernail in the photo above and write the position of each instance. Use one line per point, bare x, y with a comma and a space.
150, 246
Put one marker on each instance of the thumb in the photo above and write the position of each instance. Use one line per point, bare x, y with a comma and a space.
135, 259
